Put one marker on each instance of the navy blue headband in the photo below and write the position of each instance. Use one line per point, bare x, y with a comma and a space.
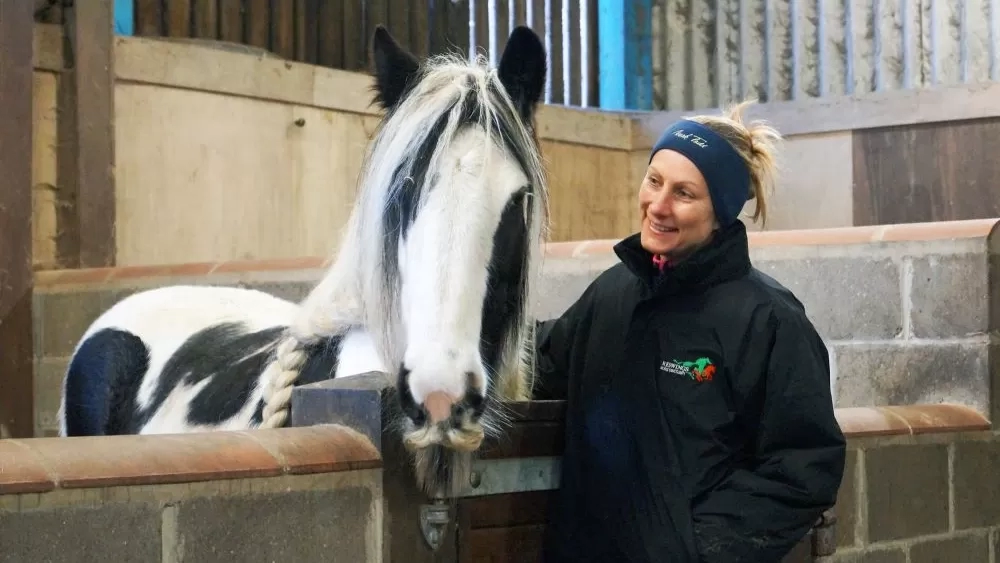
724, 170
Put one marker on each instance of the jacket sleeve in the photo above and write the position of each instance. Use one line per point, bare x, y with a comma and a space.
759, 513
554, 342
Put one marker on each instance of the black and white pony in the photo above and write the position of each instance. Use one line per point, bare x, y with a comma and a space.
431, 284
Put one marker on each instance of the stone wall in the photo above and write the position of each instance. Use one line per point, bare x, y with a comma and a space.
918, 494
299, 494
903, 308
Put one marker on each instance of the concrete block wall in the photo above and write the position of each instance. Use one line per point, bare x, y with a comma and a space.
904, 308
921, 495
299, 494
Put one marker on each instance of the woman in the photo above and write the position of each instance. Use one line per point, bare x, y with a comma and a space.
700, 423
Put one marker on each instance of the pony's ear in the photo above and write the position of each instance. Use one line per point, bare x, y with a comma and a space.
394, 68
522, 69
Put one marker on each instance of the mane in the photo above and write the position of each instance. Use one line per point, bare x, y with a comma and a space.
362, 287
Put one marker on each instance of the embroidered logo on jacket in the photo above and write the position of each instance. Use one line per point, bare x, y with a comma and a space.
699, 370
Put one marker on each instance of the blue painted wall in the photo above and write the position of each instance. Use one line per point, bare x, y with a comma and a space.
625, 61
124, 18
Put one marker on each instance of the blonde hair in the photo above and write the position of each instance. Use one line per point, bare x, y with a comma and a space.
757, 143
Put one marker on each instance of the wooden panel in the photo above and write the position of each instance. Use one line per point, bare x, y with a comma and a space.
86, 142
502, 528
149, 17
926, 172
257, 26
230, 21
537, 431
283, 28
256, 202
205, 19
16, 386
178, 18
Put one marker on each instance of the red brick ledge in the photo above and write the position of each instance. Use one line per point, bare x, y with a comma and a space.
938, 230
859, 422
37, 465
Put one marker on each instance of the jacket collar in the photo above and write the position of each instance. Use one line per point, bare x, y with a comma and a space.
724, 258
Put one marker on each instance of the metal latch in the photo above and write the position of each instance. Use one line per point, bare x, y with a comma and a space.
434, 519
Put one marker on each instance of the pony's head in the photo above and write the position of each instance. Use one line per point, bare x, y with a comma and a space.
452, 215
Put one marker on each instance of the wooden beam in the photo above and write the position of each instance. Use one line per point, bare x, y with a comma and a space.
16, 345
86, 137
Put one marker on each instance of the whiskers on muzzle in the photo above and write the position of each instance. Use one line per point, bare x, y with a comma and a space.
440, 420
442, 435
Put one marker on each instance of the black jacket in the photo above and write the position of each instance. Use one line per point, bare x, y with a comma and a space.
700, 424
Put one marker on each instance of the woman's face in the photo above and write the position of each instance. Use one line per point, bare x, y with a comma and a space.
677, 214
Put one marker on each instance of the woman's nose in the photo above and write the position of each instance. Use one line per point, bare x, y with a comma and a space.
660, 205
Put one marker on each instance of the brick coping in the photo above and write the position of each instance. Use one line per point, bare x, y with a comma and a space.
37, 465
937, 230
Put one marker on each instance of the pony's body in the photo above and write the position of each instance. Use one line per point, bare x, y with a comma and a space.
431, 283
190, 359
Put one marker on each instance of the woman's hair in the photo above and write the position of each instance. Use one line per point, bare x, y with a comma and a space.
756, 142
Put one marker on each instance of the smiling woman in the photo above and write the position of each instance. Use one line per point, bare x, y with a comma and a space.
681, 206
699, 420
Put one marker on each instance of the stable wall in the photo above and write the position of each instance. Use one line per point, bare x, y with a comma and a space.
909, 312
224, 153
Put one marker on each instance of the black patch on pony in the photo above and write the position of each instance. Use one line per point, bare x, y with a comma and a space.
102, 383
507, 278
234, 359
228, 354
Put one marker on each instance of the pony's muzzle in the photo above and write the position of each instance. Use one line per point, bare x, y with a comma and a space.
438, 406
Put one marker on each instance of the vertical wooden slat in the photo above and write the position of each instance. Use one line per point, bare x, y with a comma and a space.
397, 19
376, 12
206, 19
420, 27
329, 33
231, 20
573, 76
86, 137
355, 44
148, 18
283, 28
16, 353
440, 39
501, 29
593, 82
458, 25
556, 55
521, 12
257, 23
482, 35
304, 21
319, 32
178, 18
